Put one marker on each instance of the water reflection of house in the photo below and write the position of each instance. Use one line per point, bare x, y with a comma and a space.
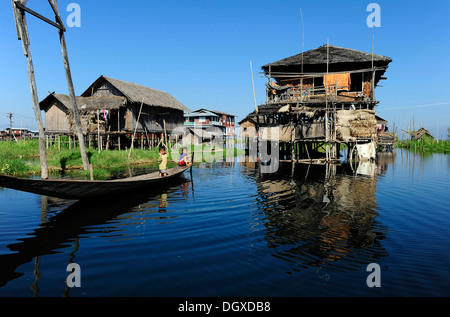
315, 219
324, 95
110, 111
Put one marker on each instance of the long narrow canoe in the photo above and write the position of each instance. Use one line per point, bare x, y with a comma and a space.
81, 189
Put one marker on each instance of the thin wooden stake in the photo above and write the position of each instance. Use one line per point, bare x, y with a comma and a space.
135, 128
165, 135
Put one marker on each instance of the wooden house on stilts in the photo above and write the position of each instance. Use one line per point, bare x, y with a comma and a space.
115, 113
320, 99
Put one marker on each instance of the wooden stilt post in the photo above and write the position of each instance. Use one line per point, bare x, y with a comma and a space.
99, 143
107, 138
292, 144
146, 138
118, 127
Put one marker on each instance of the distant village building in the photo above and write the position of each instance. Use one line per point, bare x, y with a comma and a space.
206, 124
322, 96
420, 134
17, 134
247, 126
386, 139
111, 110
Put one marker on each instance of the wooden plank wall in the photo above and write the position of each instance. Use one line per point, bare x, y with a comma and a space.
56, 119
152, 118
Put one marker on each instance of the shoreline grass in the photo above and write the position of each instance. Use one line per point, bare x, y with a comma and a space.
22, 158
426, 144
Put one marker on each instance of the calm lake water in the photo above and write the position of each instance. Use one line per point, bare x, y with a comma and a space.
233, 231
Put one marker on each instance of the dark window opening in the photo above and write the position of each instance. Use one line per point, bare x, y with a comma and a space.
318, 81
356, 82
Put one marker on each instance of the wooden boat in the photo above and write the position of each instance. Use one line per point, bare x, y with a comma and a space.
84, 189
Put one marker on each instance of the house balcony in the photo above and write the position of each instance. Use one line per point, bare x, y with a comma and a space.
203, 124
334, 93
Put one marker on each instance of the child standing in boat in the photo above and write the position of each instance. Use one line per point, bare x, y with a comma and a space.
163, 162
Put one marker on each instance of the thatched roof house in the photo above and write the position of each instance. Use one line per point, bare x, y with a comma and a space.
348, 75
58, 114
315, 60
113, 105
419, 134
134, 93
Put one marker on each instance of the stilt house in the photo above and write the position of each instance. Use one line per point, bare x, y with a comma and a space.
111, 110
321, 96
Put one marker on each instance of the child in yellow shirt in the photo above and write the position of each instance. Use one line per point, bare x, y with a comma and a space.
163, 162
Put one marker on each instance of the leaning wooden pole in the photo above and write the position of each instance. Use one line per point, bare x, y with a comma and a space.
256, 111
135, 128
253, 85
22, 32
76, 115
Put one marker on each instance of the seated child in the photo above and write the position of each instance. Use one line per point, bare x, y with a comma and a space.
185, 160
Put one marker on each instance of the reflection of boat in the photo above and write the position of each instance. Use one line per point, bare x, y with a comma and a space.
73, 222
79, 189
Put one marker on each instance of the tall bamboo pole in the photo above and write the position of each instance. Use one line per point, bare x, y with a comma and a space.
326, 107
253, 84
22, 32
76, 115
256, 110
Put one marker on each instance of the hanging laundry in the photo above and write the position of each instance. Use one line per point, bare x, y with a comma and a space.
104, 113
343, 81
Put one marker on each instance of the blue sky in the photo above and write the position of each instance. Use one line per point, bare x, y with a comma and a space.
200, 51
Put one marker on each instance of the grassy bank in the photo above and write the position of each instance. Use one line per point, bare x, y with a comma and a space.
426, 144
22, 158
